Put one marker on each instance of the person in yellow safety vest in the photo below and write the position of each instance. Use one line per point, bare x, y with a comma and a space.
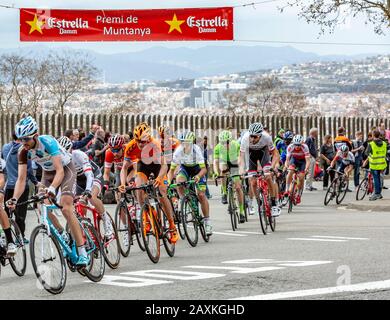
376, 152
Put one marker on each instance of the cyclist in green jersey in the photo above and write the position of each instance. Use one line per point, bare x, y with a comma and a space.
226, 156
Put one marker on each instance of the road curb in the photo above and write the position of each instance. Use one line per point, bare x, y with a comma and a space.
366, 205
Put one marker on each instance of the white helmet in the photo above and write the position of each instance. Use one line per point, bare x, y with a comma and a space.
298, 139
26, 127
66, 143
344, 148
256, 129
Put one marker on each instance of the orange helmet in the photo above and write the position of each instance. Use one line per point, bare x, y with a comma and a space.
164, 131
142, 131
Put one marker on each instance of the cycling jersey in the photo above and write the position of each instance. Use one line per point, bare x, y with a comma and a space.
112, 158
299, 153
150, 153
88, 173
339, 141
191, 159
282, 149
257, 152
227, 153
347, 160
46, 148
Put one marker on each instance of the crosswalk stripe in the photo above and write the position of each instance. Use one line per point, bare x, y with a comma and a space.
229, 234
246, 232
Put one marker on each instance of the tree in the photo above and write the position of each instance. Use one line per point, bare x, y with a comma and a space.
69, 73
330, 13
260, 92
126, 102
289, 103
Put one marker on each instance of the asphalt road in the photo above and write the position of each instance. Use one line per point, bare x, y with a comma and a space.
316, 252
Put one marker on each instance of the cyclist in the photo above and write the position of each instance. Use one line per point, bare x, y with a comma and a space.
342, 140
257, 147
4, 221
168, 143
58, 172
145, 154
226, 155
190, 158
345, 161
114, 156
298, 157
282, 145
89, 182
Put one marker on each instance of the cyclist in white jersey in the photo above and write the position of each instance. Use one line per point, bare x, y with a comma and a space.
256, 150
89, 181
57, 172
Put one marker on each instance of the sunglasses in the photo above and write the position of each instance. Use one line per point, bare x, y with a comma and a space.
254, 136
116, 150
26, 139
142, 141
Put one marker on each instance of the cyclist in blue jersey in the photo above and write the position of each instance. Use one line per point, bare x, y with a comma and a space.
58, 172
282, 145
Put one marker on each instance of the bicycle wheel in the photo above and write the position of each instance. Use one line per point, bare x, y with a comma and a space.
18, 261
169, 246
330, 193
246, 207
111, 246
362, 189
174, 200
122, 224
150, 232
342, 191
262, 213
232, 210
189, 221
47, 260
205, 237
95, 270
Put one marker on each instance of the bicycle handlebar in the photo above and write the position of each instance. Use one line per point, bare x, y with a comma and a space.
36, 199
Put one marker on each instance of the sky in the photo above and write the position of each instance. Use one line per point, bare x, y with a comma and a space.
264, 22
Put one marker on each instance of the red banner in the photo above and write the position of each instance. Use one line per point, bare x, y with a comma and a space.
126, 25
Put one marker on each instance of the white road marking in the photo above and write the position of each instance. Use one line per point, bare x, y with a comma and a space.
337, 237
313, 239
246, 232
229, 234
129, 282
287, 263
377, 285
174, 274
239, 270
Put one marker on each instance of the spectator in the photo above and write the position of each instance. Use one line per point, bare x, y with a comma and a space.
311, 142
341, 139
98, 148
75, 135
376, 153
127, 138
81, 144
10, 155
206, 161
382, 129
327, 154
358, 150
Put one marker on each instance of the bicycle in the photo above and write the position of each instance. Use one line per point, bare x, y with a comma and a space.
292, 199
127, 221
232, 199
263, 199
338, 188
52, 247
154, 223
111, 247
174, 198
366, 186
18, 261
190, 214
281, 180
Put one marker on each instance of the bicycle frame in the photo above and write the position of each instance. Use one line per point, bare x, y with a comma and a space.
262, 185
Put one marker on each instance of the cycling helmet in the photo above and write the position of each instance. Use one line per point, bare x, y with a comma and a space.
344, 148
26, 127
142, 131
288, 135
116, 141
225, 136
256, 129
66, 143
188, 137
298, 139
164, 131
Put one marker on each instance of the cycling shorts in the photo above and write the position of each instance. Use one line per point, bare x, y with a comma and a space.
188, 172
297, 164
